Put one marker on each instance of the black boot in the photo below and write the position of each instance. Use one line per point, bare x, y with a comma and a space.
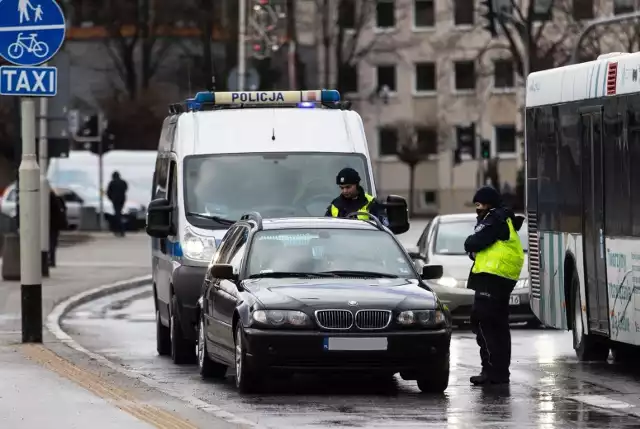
480, 378
485, 378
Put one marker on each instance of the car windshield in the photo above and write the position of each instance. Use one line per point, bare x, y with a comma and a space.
274, 184
450, 237
329, 251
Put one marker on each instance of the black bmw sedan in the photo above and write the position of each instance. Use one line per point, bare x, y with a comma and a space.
310, 295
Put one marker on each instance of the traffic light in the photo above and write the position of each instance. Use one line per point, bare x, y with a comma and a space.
91, 127
485, 149
490, 15
259, 49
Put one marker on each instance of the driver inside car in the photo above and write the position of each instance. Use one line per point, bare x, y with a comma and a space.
353, 198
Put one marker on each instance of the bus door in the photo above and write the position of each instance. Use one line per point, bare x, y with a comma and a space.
593, 249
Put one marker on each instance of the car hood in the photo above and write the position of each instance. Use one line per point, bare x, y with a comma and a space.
459, 266
401, 294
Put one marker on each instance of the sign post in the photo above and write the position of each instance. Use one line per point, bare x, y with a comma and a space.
31, 33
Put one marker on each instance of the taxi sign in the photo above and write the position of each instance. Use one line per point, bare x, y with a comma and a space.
267, 97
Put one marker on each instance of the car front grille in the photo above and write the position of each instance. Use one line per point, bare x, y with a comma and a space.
345, 319
334, 319
373, 319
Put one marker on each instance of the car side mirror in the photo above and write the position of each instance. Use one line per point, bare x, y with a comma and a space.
223, 272
159, 218
431, 272
418, 256
397, 214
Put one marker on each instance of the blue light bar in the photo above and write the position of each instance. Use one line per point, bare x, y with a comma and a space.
306, 105
268, 97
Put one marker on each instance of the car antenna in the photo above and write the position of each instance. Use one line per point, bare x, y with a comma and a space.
273, 127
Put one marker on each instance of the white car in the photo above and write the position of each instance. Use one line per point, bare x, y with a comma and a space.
71, 199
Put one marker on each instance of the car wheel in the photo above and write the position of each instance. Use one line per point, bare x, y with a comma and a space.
246, 380
163, 337
181, 351
587, 347
208, 368
437, 380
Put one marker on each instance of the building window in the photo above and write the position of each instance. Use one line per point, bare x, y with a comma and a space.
424, 14
429, 197
623, 6
427, 140
347, 14
505, 138
425, 77
582, 9
542, 10
465, 75
349, 78
463, 12
385, 14
386, 76
387, 141
503, 74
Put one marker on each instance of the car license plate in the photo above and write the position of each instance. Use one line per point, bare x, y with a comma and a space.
514, 300
355, 344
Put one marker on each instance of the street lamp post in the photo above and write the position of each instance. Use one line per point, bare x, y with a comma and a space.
597, 23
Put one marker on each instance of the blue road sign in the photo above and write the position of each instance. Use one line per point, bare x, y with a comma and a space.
29, 81
31, 31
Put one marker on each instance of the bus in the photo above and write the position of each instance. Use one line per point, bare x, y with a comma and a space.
582, 160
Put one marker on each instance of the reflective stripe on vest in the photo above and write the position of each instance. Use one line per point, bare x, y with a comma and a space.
335, 211
502, 258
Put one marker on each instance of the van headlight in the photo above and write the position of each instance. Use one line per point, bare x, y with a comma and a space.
447, 282
197, 247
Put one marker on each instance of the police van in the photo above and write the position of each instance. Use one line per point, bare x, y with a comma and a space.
223, 154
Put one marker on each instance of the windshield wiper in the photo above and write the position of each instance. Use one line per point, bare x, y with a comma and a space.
212, 217
277, 274
350, 273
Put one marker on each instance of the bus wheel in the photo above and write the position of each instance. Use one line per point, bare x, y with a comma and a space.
587, 347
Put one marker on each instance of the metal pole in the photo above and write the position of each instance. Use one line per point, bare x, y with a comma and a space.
597, 23
100, 170
526, 66
45, 213
292, 65
30, 270
242, 43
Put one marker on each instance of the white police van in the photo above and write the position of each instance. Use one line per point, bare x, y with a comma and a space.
223, 154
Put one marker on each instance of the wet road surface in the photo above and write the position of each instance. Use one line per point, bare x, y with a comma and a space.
545, 375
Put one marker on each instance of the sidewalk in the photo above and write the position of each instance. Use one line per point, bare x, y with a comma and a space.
35, 386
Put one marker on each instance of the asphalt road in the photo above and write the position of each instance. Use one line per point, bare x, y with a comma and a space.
549, 388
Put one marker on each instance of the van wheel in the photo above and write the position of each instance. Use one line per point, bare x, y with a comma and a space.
181, 351
587, 347
163, 337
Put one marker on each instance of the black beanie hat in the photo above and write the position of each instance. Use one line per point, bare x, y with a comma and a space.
488, 195
348, 176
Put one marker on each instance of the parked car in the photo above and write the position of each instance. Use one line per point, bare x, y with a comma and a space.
72, 200
442, 243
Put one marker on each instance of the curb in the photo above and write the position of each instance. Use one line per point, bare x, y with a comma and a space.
53, 324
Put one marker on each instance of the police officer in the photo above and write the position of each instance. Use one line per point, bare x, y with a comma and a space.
353, 198
498, 259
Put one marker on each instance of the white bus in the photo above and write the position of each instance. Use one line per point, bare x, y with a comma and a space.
583, 202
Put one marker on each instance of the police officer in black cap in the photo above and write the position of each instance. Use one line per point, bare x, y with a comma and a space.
498, 259
353, 198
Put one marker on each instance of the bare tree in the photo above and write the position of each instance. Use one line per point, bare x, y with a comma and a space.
410, 152
345, 39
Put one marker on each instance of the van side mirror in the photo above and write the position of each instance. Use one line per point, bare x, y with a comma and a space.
397, 214
222, 272
159, 218
431, 272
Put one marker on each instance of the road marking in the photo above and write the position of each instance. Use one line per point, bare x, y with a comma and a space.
65, 307
602, 401
122, 399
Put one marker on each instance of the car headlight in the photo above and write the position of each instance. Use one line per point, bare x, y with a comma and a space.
197, 247
277, 318
447, 282
522, 283
421, 317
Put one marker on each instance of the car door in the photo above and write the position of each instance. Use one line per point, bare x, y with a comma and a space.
227, 295
213, 323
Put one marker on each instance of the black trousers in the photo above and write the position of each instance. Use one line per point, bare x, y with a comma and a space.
490, 322
118, 225
53, 245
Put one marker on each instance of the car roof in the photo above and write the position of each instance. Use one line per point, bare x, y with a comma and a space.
461, 217
316, 222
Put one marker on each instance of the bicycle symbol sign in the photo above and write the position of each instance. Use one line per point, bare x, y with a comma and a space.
31, 31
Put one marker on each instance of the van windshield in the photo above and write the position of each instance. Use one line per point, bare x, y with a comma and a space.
274, 184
